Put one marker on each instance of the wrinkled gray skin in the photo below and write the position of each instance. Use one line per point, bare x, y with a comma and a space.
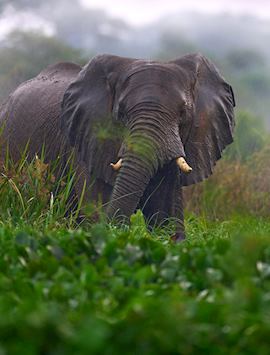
178, 108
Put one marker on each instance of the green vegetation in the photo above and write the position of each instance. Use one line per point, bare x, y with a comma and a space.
250, 136
99, 289
24, 55
108, 291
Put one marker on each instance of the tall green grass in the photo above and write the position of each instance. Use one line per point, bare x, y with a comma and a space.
96, 288
36, 193
235, 188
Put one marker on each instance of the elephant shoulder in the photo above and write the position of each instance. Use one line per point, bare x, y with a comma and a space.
51, 82
62, 70
54, 76
38, 101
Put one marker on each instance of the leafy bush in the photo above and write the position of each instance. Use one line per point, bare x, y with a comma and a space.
109, 290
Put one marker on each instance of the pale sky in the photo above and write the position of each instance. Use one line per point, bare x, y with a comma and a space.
139, 12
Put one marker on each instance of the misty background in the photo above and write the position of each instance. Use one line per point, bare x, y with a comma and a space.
35, 34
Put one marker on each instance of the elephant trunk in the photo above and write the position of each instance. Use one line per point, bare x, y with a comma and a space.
130, 184
148, 147
138, 165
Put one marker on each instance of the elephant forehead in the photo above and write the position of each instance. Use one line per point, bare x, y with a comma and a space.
154, 83
152, 80
152, 73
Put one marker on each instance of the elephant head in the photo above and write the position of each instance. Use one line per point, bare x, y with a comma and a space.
177, 113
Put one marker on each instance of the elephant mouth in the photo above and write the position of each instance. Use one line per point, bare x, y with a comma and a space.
181, 163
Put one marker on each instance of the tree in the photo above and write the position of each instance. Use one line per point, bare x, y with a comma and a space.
174, 44
249, 137
24, 55
244, 60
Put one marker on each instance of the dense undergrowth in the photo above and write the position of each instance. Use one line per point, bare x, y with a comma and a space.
110, 290
95, 288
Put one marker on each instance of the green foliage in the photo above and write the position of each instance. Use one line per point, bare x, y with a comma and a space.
233, 188
244, 60
31, 193
249, 137
102, 289
248, 73
108, 290
24, 55
174, 45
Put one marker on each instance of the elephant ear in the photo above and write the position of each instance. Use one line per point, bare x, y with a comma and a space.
210, 117
86, 117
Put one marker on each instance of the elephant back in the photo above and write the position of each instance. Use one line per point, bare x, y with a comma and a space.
30, 115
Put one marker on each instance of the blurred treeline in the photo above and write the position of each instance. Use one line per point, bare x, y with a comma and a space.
65, 30
42, 33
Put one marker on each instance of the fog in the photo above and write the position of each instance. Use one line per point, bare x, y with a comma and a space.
142, 12
93, 30
237, 43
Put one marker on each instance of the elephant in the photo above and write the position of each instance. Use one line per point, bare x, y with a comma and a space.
168, 124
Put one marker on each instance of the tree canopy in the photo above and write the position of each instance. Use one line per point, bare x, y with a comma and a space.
24, 55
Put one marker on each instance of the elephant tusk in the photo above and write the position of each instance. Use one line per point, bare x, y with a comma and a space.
117, 165
183, 165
